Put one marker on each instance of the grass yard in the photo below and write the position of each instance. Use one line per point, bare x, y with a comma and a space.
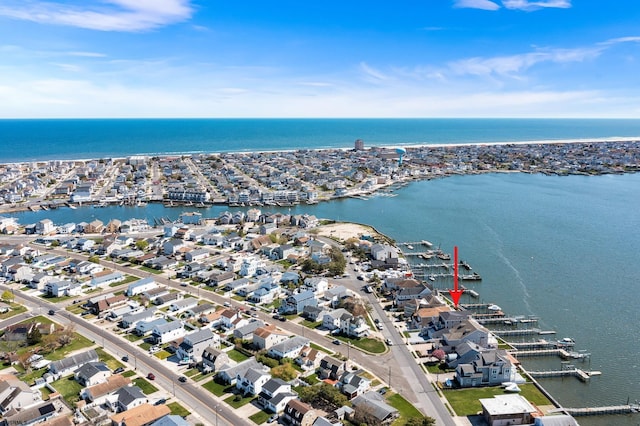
14, 310
149, 270
310, 324
236, 355
79, 342
146, 387
259, 417
178, 410
374, 346
466, 402
236, 402
406, 409
69, 389
218, 389
133, 337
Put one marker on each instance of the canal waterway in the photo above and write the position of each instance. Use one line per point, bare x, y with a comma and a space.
564, 249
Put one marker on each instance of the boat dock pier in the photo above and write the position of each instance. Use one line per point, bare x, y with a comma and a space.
599, 411
575, 372
522, 332
540, 344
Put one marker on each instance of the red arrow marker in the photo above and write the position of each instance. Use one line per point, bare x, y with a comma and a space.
455, 293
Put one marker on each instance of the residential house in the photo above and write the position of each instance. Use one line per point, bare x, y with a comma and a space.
31, 415
173, 246
468, 331
105, 278
354, 383
266, 336
145, 327
229, 373
194, 344
289, 348
99, 393
316, 284
165, 333
167, 298
213, 359
183, 304
331, 368
92, 373
246, 332
252, 380
71, 363
490, 368
140, 286
295, 304
275, 395
298, 413
407, 295
314, 313
196, 255
131, 319
127, 398
16, 395
376, 405
309, 358
171, 420
142, 415
101, 304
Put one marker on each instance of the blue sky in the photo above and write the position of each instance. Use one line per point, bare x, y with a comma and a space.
429, 58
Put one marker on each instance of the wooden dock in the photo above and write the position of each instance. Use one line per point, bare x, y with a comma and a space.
599, 411
575, 372
522, 332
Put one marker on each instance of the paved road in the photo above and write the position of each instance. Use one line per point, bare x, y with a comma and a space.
199, 400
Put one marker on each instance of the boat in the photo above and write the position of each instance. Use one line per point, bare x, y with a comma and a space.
465, 265
71, 206
444, 256
471, 277
494, 308
427, 243
432, 278
565, 342
409, 246
510, 387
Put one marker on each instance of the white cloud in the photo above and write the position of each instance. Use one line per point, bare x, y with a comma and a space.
511, 65
476, 4
528, 5
107, 15
371, 74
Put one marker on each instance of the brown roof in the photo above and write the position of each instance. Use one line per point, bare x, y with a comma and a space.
113, 383
140, 415
264, 331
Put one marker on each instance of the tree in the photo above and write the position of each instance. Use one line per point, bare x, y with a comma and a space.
363, 415
285, 372
34, 337
420, 421
7, 296
94, 259
142, 244
65, 336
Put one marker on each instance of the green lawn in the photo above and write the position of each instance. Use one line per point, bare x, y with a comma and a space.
15, 310
69, 389
178, 410
406, 409
374, 346
236, 403
236, 355
218, 389
79, 342
147, 388
311, 324
150, 270
132, 337
259, 417
466, 402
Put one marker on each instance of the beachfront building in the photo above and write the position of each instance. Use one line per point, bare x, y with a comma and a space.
490, 368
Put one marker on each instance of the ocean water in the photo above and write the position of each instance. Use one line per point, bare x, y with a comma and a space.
562, 248
28, 140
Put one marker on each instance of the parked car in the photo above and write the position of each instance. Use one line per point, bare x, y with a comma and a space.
182, 379
272, 418
151, 376
160, 401
389, 342
125, 358
337, 342
118, 370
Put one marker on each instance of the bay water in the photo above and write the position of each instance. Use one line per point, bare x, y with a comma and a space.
565, 249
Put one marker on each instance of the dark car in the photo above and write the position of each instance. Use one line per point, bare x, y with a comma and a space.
276, 317
125, 358
283, 319
182, 379
118, 370
51, 312
151, 376
337, 342
160, 401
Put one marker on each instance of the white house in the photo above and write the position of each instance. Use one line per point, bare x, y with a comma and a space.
167, 332
141, 286
251, 382
289, 348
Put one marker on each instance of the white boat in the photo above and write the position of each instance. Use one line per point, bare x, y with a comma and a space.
510, 387
409, 246
566, 342
494, 308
